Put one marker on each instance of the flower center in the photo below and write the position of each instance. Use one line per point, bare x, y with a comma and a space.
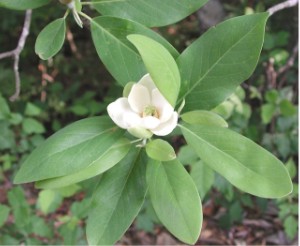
150, 111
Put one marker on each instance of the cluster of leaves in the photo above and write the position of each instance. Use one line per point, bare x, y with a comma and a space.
106, 28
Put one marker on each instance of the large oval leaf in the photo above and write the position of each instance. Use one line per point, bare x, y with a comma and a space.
107, 160
175, 199
117, 53
160, 64
149, 13
23, 4
71, 149
51, 39
117, 200
241, 161
215, 64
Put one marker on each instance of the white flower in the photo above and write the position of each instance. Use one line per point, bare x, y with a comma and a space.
144, 109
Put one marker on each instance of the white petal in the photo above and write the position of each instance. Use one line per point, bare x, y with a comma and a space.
166, 127
121, 113
139, 98
147, 81
163, 107
150, 122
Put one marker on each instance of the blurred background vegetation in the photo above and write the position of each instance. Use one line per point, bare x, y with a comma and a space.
75, 84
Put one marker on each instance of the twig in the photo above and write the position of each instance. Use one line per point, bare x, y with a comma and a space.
15, 54
281, 6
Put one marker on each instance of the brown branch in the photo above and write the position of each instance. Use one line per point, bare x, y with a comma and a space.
15, 54
281, 6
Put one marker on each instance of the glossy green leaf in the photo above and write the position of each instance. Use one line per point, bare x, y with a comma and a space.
241, 161
23, 4
118, 55
51, 39
202, 117
117, 199
160, 64
149, 13
107, 160
70, 150
160, 150
175, 199
203, 177
222, 58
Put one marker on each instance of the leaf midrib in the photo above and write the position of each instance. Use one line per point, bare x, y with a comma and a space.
231, 157
215, 64
121, 193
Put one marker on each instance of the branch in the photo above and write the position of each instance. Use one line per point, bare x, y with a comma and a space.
15, 54
281, 6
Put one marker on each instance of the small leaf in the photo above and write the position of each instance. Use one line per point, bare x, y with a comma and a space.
287, 108
117, 200
160, 150
175, 199
202, 117
149, 13
48, 201
51, 39
290, 227
118, 55
242, 162
70, 150
291, 167
107, 160
226, 56
23, 4
4, 212
160, 64
32, 110
31, 125
267, 112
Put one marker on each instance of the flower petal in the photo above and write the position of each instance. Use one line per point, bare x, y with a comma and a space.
121, 113
147, 81
139, 98
150, 122
166, 127
163, 107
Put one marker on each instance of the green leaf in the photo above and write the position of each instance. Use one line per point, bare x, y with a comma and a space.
4, 109
107, 160
49, 200
20, 207
7, 140
291, 227
23, 4
118, 55
31, 125
160, 150
160, 64
4, 212
272, 96
267, 112
291, 167
202, 117
71, 149
175, 199
287, 108
242, 162
187, 155
117, 200
32, 110
51, 39
215, 64
39, 227
203, 177
149, 13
